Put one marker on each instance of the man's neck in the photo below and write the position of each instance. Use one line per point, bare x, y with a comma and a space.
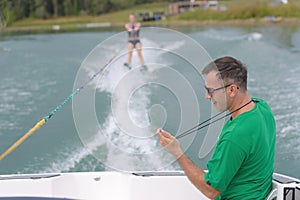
241, 105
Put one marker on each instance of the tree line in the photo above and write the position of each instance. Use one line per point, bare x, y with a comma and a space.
13, 10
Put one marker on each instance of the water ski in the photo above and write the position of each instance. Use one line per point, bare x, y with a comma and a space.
144, 68
127, 65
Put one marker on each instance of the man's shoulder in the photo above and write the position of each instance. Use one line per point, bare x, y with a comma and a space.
260, 102
263, 108
248, 124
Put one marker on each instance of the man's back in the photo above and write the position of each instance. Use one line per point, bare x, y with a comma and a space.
242, 164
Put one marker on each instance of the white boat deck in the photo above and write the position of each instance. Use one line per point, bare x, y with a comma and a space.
118, 186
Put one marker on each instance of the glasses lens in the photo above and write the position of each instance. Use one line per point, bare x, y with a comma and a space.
209, 91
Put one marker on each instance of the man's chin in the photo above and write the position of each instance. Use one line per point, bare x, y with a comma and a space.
217, 107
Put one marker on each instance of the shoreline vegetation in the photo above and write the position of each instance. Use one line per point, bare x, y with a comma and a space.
238, 12
174, 23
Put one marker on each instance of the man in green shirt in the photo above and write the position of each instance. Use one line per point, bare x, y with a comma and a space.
241, 167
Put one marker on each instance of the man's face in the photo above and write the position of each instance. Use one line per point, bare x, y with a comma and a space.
215, 91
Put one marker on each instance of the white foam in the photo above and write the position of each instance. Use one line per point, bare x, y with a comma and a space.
71, 156
5, 49
287, 129
122, 149
254, 36
127, 152
136, 153
232, 35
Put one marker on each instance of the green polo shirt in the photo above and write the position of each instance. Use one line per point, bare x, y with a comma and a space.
242, 164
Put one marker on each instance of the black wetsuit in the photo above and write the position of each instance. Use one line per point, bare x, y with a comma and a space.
133, 35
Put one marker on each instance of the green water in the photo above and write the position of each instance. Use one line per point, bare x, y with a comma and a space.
38, 72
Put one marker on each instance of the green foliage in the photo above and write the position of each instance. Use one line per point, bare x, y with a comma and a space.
121, 4
6, 13
14, 10
245, 10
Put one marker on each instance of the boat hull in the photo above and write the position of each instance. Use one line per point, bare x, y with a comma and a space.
118, 186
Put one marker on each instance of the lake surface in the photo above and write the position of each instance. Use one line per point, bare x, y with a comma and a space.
38, 71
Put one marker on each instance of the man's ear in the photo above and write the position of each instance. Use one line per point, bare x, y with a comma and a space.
233, 90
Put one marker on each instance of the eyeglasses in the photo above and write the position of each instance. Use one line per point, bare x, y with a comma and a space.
210, 91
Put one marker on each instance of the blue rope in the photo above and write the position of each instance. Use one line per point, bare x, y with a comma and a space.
61, 105
46, 118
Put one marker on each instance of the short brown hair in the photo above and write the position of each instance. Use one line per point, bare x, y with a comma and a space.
230, 70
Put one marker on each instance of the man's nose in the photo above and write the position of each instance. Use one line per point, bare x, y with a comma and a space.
207, 95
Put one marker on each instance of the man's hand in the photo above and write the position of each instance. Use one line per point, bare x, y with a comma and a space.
193, 172
170, 143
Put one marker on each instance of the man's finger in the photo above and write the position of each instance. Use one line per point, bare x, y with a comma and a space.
166, 134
